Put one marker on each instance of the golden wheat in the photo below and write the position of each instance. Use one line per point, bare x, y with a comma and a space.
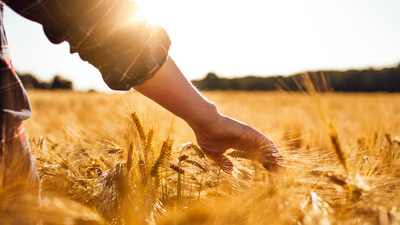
93, 171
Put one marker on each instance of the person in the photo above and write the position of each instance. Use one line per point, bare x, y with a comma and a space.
128, 53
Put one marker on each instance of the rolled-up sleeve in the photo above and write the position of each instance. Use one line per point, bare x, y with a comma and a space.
107, 33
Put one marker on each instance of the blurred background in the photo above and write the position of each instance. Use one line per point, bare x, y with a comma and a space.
236, 39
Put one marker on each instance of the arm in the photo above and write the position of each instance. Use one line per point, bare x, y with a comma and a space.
215, 133
121, 63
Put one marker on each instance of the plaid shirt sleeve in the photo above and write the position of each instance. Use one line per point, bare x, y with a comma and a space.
127, 51
14, 105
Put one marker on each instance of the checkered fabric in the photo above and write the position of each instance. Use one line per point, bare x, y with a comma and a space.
105, 33
127, 50
108, 34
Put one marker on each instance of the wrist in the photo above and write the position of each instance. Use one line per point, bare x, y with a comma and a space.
206, 117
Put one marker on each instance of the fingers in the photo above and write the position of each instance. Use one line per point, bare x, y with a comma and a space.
241, 137
277, 166
222, 161
270, 158
226, 165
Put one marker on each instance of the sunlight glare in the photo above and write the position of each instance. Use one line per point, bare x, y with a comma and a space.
146, 12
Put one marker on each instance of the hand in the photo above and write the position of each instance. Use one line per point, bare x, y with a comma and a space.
217, 137
215, 133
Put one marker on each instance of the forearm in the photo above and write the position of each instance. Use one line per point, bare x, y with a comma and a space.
214, 132
170, 89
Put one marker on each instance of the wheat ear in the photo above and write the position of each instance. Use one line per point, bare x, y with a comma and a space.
176, 168
163, 159
129, 158
336, 146
243, 155
138, 126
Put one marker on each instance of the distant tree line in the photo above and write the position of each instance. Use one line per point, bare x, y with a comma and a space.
31, 82
367, 80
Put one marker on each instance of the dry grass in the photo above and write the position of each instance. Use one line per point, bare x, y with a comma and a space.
124, 159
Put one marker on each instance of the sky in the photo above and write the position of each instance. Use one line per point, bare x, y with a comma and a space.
236, 38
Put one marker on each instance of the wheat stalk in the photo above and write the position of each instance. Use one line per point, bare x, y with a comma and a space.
198, 150
202, 167
142, 169
176, 168
183, 158
149, 141
129, 158
139, 127
336, 146
148, 148
163, 159
243, 155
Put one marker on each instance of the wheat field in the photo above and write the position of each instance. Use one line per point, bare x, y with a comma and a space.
121, 159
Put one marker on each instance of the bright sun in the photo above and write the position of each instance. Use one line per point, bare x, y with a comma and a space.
150, 11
